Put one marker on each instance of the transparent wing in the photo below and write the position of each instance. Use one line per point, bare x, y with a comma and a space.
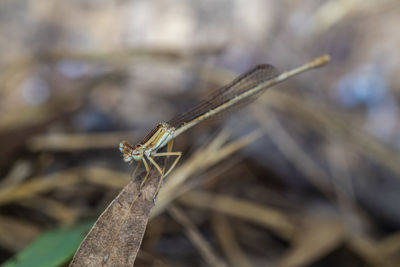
241, 84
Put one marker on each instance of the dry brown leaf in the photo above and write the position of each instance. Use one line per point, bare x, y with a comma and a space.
115, 238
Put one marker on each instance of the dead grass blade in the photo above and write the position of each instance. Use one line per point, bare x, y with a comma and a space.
57, 210
127, 56
40, 184
101, 176
195, 237
228, 242
80, 141
333, 125
388, 250
377, 253
293, 152
317, 238
262, 215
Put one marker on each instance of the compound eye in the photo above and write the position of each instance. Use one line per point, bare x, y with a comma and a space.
125, 147
126, 150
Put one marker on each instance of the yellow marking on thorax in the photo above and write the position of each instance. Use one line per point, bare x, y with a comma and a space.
151, 134
154, 140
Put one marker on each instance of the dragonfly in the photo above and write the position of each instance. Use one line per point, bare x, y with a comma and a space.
245, 87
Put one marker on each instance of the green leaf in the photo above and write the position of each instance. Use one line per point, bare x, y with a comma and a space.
53, 248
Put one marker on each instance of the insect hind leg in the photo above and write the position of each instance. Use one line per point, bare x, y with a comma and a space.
167, 154
135, 170
146, 165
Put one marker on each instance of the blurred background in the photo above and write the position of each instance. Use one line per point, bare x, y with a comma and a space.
309, 174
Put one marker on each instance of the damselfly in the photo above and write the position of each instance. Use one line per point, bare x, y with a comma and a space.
246, 86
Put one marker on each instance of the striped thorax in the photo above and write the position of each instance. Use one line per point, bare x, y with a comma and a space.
156, 139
